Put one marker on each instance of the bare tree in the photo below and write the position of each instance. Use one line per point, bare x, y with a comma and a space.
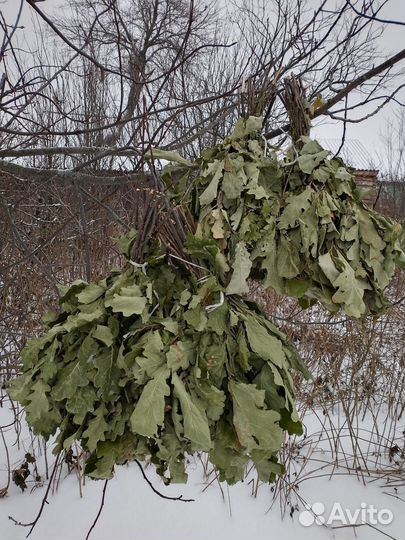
125, 75
391, 190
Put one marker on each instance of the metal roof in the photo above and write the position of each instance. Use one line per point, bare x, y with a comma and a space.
353, 153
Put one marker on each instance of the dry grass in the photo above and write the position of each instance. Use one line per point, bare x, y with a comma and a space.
356, 399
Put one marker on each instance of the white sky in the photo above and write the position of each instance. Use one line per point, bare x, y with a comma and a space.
368, 132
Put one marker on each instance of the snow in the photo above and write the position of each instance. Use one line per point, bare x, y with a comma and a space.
132, 511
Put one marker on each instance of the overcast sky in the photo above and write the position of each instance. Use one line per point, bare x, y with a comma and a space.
368, 132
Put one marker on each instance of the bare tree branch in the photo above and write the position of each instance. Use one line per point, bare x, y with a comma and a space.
323, 109
62, 175
373, 17
69, 151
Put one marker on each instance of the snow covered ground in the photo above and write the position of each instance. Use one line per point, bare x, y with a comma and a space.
132, 511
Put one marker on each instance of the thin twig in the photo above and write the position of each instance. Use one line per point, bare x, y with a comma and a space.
44, 501
180, 498
99, 510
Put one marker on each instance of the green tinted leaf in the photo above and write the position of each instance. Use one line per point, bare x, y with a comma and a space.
169, 155
82, 404
97, 428
296, 204
214, 399
288, 259
247, 126
128, 305
350, 292
210, 193
126, 242
90, 293
179, 355
149, 411
297, 287
70, 379
107, 376
264, 344
103, 334
241, 270
255, 426
195, 421
20, 387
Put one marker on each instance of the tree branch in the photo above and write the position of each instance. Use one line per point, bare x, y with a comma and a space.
180, 498
345, 91
69, 151
32, 173
373, 17
99, 510
79, 50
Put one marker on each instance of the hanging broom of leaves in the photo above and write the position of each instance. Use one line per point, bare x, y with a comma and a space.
155, 362
164, 358
295, 221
